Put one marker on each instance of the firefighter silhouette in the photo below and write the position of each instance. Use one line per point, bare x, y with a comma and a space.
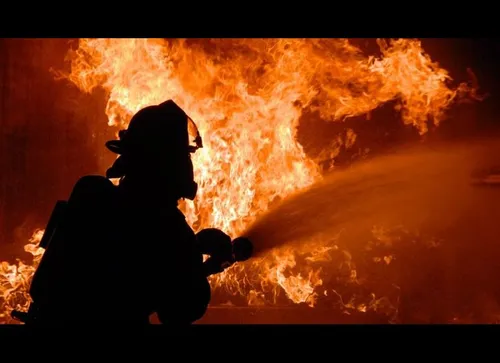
119, 253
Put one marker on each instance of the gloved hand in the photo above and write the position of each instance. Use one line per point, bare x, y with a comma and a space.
214, 242
242, 249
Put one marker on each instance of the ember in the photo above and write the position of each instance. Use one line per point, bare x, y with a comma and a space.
247, 97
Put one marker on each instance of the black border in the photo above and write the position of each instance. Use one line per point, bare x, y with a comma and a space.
390, 331
233, 342
232, 20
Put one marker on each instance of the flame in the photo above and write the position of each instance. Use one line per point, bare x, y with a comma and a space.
15, 279
247, 97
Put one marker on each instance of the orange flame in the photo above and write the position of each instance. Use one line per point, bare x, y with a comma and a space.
247, 97
15, 279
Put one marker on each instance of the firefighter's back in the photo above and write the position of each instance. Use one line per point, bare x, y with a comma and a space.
72, 280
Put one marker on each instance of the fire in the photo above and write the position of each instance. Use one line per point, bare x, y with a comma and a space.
15, 279
247, 97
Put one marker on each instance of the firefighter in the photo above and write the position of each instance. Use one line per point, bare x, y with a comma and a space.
121, 253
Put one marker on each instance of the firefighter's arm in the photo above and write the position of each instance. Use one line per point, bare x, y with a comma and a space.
212, 241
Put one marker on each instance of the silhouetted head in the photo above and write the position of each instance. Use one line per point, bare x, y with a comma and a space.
242, 249
157, 146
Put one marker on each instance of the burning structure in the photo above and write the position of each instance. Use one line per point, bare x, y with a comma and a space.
248, 98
